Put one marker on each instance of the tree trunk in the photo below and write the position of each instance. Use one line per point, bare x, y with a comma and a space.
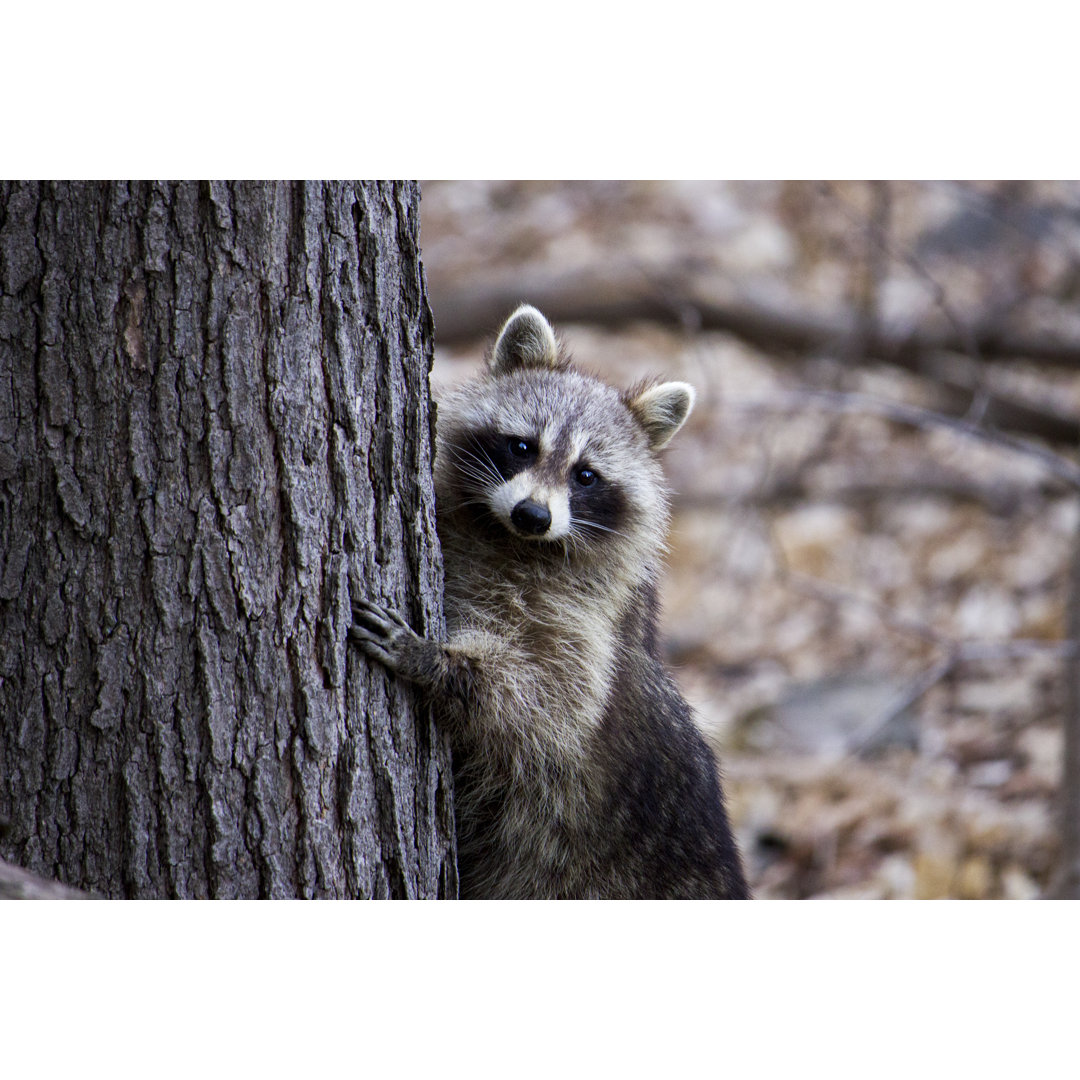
214, 427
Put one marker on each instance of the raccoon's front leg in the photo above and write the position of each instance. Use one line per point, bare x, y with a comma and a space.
440, 670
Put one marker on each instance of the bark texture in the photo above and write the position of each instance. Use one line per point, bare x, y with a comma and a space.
214, 426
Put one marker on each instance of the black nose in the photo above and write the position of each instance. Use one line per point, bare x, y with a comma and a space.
531, 517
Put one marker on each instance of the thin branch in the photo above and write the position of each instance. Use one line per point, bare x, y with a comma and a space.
876, 260
953, 653
975, 381
838, 596
961, 652
903, 701
913, 416
971, 650
1001, 500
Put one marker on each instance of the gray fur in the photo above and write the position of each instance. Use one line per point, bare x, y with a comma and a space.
579, 772
526, 340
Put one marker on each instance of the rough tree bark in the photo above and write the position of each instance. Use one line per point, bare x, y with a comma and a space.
214, 426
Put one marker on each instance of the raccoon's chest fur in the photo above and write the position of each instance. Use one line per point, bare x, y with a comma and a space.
528, 782
552, 650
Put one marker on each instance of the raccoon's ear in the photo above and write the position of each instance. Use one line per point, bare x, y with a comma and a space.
661, 410
526, 340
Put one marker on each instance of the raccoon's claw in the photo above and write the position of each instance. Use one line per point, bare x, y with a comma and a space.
380, 632
377, 618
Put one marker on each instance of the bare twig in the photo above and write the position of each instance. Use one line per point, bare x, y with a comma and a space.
1000, 499
903, 701
962, 391
881, 238
838, 596
868, 300
913, 416
952, 653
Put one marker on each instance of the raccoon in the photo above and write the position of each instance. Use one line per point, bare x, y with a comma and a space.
578, 770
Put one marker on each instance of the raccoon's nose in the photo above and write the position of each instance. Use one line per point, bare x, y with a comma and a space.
531, 517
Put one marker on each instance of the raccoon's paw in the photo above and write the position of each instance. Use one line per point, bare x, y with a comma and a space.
384, 635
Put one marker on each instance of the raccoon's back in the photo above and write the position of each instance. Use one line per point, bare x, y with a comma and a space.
668, 834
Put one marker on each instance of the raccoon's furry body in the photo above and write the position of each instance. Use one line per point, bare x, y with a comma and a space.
579, 771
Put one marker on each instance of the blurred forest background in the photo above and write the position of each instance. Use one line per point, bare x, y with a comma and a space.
876, 498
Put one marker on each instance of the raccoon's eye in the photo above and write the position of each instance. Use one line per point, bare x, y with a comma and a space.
520, 448
586, 477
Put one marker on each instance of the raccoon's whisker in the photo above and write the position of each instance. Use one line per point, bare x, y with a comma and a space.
465, 456
576, 543
475, 476
462, 503
482, 481
585, 523
482, 477
463, 453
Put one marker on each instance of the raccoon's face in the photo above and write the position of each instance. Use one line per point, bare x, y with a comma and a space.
551, 458
548, 456
539, 479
